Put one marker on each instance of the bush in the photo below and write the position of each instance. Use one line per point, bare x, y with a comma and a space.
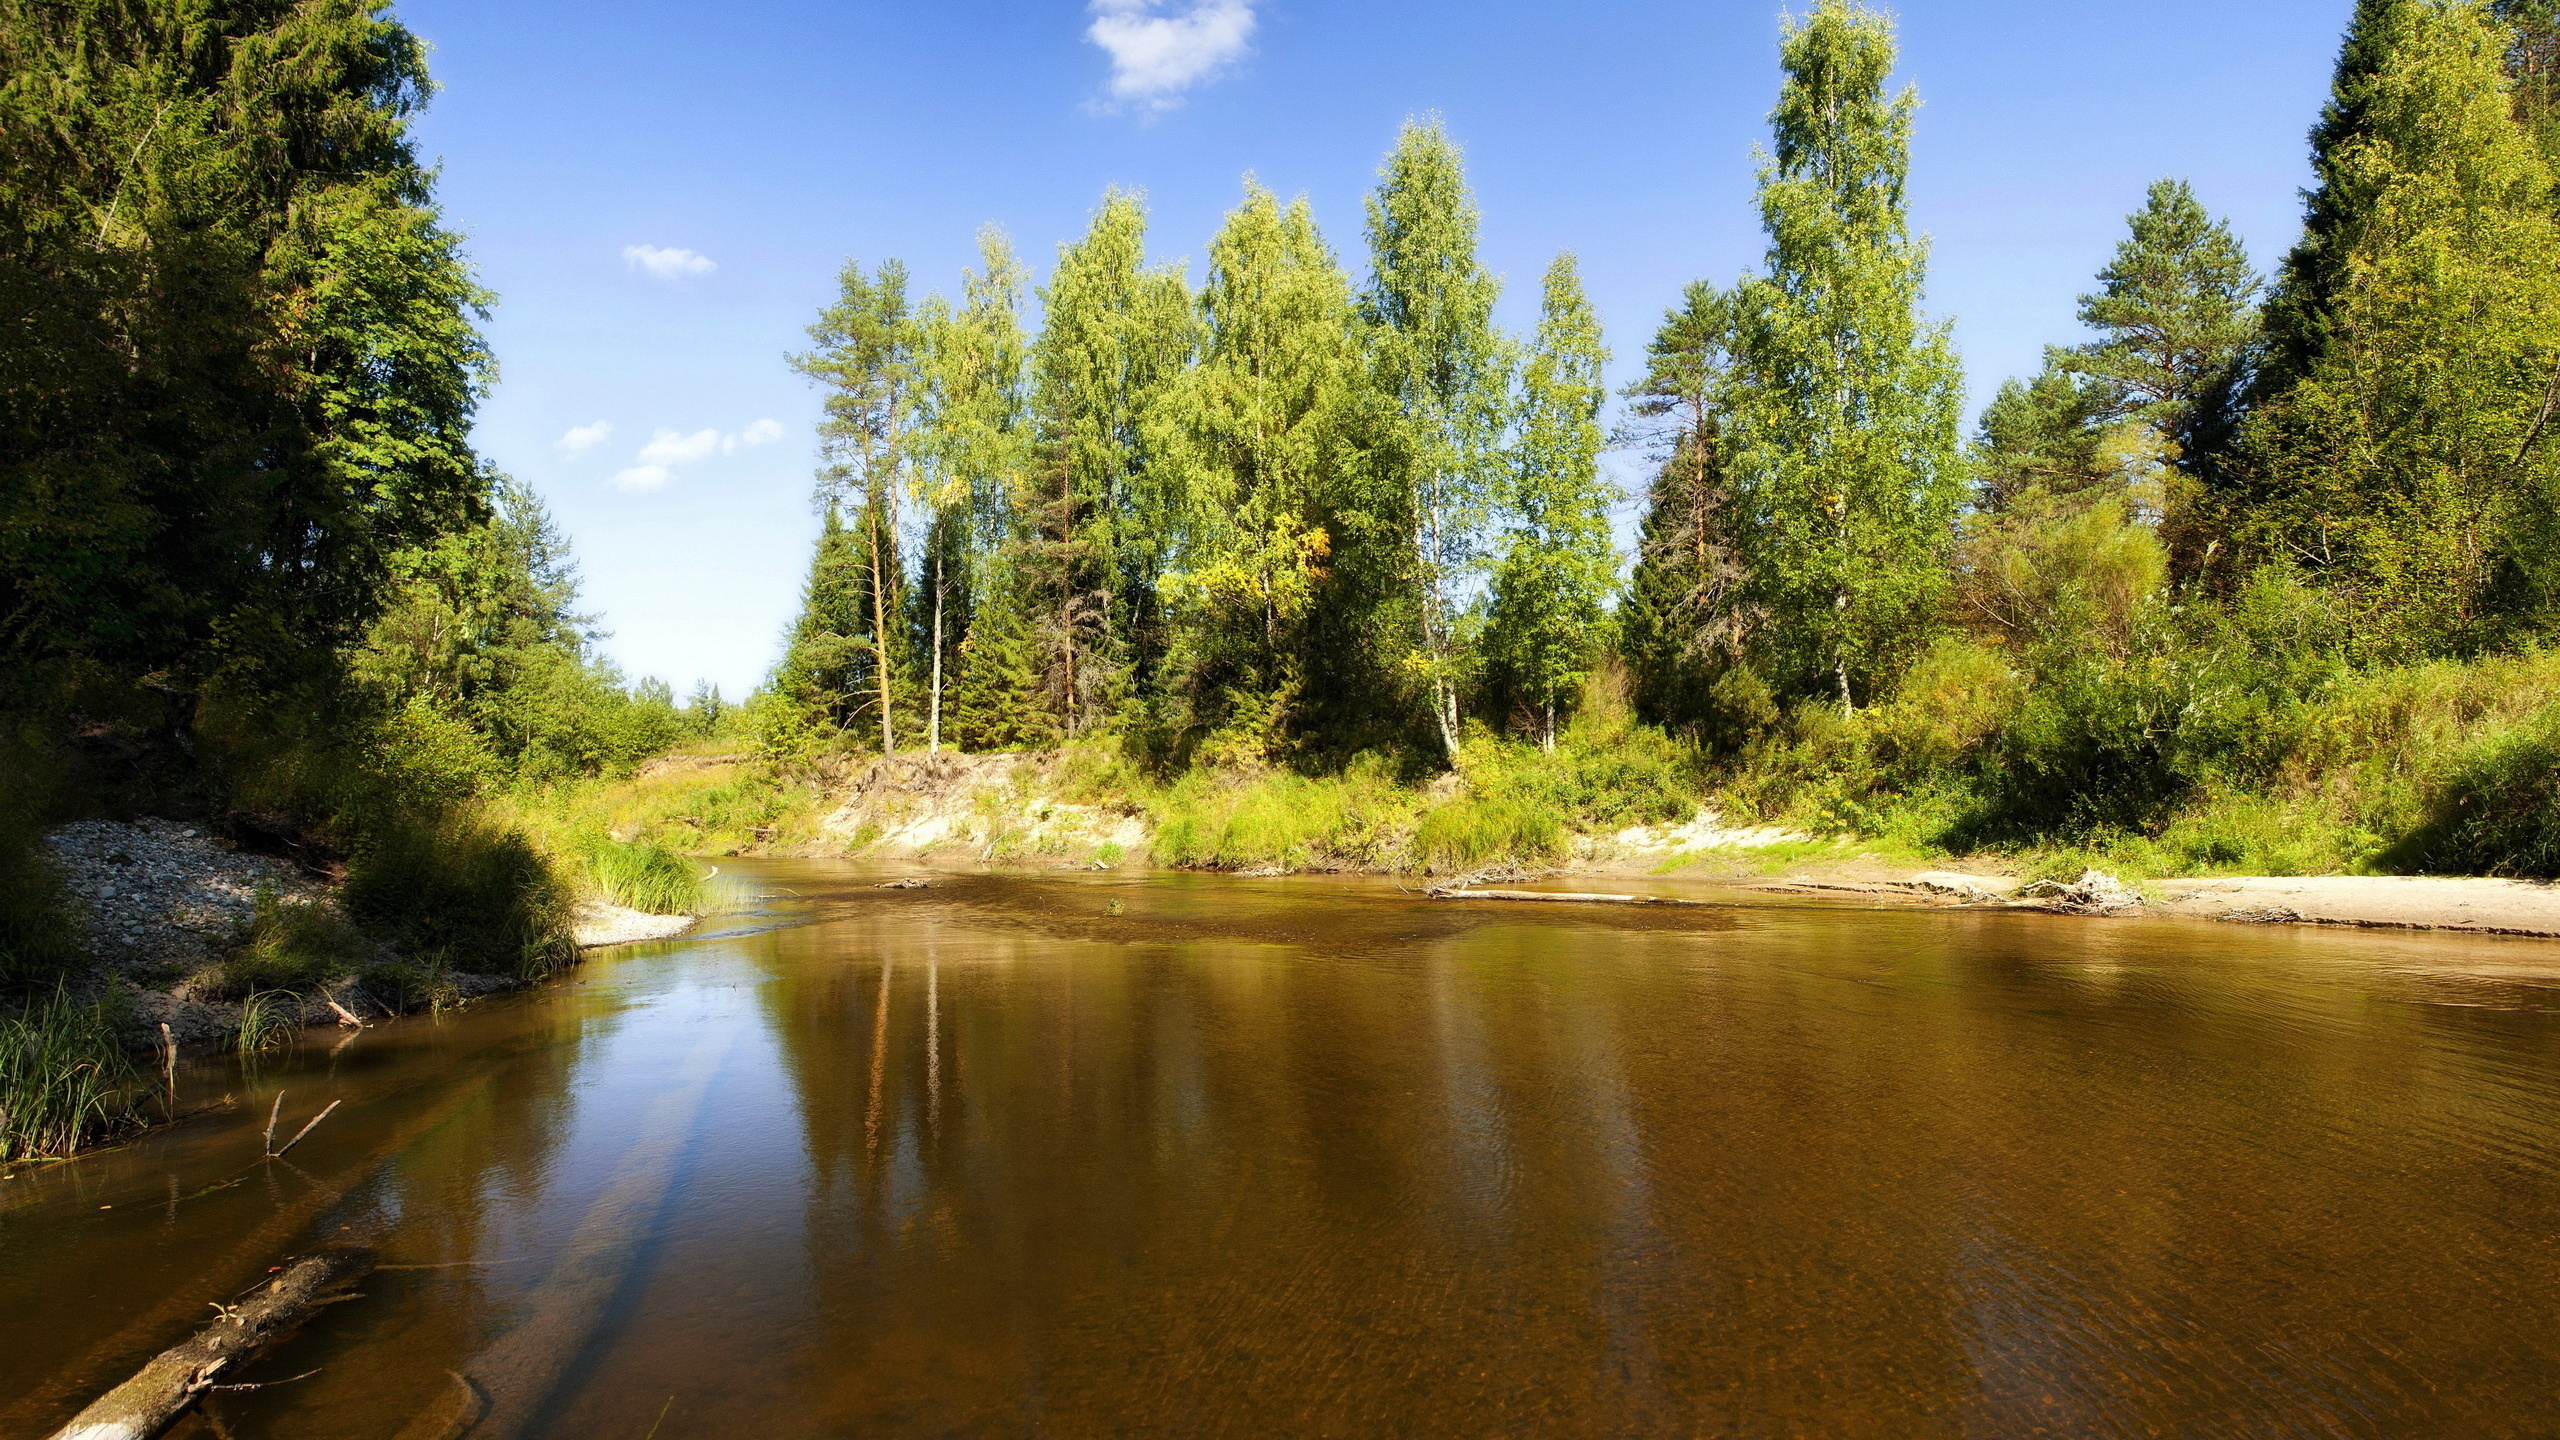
465, 892
2497, 812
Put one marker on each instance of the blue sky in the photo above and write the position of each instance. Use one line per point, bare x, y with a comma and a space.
662, 194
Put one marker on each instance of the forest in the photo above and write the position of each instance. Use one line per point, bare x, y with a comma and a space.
2262, 575
1313, 565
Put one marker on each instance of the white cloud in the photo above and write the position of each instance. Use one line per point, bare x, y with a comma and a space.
581, 439
670, 450
1155, 56
763, 432
666, 264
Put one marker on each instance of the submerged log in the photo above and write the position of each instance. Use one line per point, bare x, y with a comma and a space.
140, 1407
1565, 896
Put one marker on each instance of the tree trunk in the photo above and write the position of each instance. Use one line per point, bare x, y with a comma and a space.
880, 637
144, 1405
933, 722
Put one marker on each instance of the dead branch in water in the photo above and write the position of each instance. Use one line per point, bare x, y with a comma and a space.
306, 1129
142, 1406
1561, 896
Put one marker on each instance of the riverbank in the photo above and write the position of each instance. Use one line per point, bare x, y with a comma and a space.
1085, 810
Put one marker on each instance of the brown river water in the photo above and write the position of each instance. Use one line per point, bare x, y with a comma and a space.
1314, 1157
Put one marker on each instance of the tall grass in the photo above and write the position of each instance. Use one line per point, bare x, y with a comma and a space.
645, 875
65, 1079
289, 946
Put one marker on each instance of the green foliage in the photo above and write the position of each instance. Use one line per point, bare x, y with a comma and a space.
268, 1020
1475, 831
465, 892
1558, 563
2177, 315
1258, 433
288, 948
1683, 622
36, 935
645, 875
1846, 422
1441, 376
65, 1079
2410, 467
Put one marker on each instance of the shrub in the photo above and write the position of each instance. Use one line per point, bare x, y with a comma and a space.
476, 895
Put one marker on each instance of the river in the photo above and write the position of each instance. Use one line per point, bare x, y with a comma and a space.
1106, 1155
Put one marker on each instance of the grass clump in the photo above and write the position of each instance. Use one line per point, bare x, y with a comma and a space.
65, 1079
645, 875
293, 947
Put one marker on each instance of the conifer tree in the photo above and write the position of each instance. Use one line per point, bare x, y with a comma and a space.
830, 666
2176, 315
1558, 566
2044, 436
1115, 333
1441, 373
865, 355
2412, 465
2299, 306
1684, 619
1258, 431
1847, 424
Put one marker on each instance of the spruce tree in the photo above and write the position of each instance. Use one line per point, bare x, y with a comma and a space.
1441, 375
1258, 432
830, 664
2298, 310
1850, 401
1557, 567
865, 355
2412, 465
1684, 620
1098, 517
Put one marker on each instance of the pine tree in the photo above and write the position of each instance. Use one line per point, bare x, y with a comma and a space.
1850, 402
2413, 464
2044, 437
2533, 64
1558, 566
1258, 432
865, 355
1683, 620
1441, 373
1115, 333
2176, 315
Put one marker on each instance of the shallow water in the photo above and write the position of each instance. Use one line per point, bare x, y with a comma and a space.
1313, 1157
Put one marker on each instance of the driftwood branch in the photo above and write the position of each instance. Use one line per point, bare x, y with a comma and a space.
1558, 896
307, 1128
142, 1406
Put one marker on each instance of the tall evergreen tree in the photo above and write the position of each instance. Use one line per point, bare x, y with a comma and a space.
830, 668
2299, 307
2176, 315
240, 362
2412, 464
1442, 374
1847, 425
1684, 618
1115, 333
1260, 432
865, 355
1552, 583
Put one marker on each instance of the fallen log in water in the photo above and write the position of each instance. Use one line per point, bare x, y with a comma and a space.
141, 1406
1566, 896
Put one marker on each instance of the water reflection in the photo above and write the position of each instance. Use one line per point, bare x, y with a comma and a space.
1002, 1157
